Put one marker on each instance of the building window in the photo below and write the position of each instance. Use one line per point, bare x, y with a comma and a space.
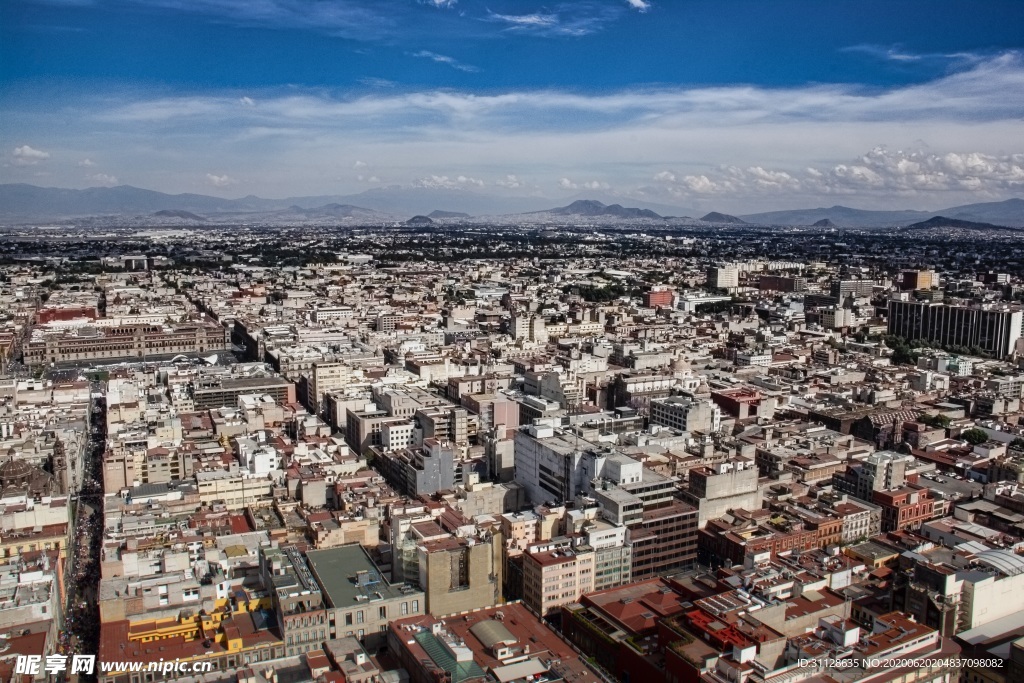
384, 612
405, 608
359, 617
348, 619
415, 606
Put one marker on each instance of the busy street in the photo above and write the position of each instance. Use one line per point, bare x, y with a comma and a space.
81, 629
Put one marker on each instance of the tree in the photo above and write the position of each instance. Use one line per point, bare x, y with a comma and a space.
1017, 444
974, 436
941, 421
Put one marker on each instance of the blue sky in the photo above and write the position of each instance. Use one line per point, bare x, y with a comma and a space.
737, 104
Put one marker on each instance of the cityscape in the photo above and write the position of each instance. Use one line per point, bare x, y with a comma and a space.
435, 342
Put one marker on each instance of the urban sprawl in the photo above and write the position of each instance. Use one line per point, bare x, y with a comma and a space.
457, 453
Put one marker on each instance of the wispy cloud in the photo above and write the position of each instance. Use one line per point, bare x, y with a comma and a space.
445, 59
990, 91
641, 5
664, 143
374, 82
353, 20
527, 20
574, 19
894, 53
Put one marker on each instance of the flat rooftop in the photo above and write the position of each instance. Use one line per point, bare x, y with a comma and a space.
340, 570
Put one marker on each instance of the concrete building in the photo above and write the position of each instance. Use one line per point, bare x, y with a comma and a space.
460, 574
419, 471
136, 342
664, 541
359, 601
687, 414
719, 488
724, 277
990, 329
557, 577
880, 471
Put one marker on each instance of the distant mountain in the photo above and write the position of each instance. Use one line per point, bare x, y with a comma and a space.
29, 203
419, 220
943, 222
336, 210
823, 223
1009, 212
178, 213
447, 214
715, 217
22, 202
594, 208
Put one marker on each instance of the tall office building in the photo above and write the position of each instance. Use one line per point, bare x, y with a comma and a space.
918, 279
724, 277
993, 330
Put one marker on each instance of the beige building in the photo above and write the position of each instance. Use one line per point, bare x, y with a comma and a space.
459, 574
553, 578
233, 490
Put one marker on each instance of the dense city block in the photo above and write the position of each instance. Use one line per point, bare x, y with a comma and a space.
590, 451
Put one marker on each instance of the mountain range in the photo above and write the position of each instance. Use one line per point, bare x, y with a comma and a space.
594, 208
1009, 212
29, 203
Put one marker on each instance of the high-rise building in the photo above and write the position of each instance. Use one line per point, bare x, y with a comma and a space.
992, 330
723, 277
918, 279
781, 283
658, 297
844, 288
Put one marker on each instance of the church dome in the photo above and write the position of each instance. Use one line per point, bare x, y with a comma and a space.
14, 472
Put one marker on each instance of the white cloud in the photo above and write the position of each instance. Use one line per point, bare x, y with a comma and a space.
443, 182
359, 164
247, 101
880, 172
990, 91
565, 183
903, 172
373, 179
28, 156
220, 180
86, 163
570, 20
442, 4
102, 179
510, 181
756, 143
641, 5
527, 20
445, 59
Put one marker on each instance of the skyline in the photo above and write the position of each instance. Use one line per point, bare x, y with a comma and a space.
792, 105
